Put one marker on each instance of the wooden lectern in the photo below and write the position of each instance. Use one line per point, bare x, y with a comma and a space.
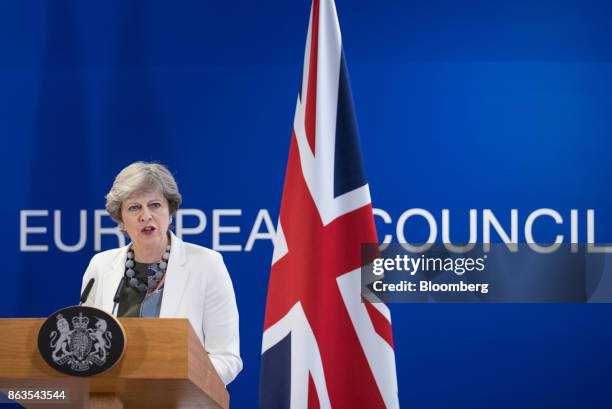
164, 366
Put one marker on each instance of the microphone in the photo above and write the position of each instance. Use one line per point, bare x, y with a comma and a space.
86, 291
118, 294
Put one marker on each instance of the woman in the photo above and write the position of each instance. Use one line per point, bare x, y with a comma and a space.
164, 276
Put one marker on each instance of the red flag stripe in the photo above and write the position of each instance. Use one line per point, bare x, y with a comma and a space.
381, 325
311, 99
313, 398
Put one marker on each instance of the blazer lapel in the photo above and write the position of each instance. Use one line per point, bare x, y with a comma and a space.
176, 279
112, 277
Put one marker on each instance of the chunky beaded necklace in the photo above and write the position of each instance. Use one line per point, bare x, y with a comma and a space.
155, 271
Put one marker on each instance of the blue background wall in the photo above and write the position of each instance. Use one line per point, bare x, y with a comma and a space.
471, 104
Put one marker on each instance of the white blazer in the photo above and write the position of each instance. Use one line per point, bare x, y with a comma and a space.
197, 287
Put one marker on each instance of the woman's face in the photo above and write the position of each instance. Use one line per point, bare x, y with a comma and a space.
146, 218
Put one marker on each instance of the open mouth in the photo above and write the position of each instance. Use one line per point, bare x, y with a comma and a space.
147, 230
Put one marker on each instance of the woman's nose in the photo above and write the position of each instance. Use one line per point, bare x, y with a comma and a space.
145, 215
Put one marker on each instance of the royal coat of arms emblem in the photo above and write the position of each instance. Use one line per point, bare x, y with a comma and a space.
80, 346
81, 341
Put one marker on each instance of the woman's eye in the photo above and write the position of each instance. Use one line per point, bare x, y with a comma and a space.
156, 205
133, 208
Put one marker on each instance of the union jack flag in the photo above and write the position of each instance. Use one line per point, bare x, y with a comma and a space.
324, 345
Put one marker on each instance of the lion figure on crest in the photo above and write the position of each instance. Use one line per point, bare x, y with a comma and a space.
64, 338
